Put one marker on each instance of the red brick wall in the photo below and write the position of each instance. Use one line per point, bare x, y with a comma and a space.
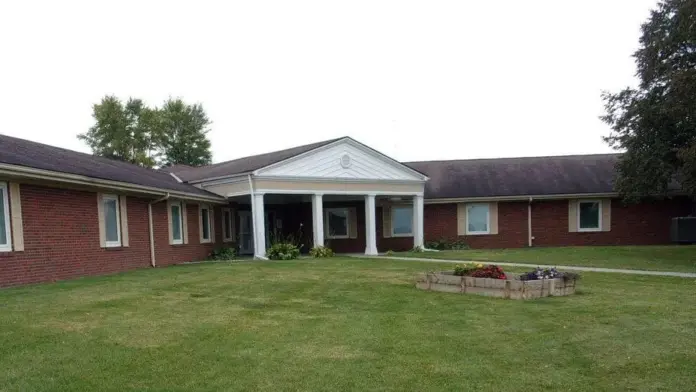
637, 224
633, 224
61, 238
61, 232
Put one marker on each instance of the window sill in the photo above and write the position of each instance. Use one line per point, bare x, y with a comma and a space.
402, 235
589, 230
338, 238
480, 233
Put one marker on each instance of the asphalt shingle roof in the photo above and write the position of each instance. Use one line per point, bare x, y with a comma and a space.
26, 153
554, 175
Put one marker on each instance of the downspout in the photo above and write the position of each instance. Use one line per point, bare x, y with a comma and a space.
529, 222
152, 230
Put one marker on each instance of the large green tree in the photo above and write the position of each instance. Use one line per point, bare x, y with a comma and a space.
126, 132
184, 134
136, 133
655, 122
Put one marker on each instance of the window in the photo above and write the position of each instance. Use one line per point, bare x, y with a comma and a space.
402, 221
205, 224
337, 223
227, 223
590, 215
5, 240
112, 220
477, 219
177, 235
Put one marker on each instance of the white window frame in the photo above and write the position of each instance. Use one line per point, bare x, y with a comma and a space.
180, 241
207, 208
114, 198
599, 211
488, 218
393, 234
328, 225
227, 226
8, 224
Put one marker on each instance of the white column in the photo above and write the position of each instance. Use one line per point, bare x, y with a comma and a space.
318, 219
257, 215
418, 221
370, 226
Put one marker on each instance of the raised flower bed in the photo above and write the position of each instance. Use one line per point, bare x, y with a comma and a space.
491, 281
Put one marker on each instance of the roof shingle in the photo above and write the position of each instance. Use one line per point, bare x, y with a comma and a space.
26, 153
553, 175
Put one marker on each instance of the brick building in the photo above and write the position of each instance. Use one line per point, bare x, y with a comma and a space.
65, 214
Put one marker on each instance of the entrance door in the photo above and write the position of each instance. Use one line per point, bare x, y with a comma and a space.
246, 237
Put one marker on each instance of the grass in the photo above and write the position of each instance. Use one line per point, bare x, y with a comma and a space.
657, 258
341, 324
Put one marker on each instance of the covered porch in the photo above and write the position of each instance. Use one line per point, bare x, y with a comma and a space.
341, 194
369, 223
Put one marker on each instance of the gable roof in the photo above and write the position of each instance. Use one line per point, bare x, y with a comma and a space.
247, 164
530, 176
30, 154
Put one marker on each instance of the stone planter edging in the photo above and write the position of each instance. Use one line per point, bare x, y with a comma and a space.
510, 288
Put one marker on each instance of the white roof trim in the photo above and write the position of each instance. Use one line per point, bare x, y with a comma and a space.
362, 147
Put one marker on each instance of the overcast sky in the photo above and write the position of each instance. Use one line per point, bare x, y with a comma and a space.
416, 80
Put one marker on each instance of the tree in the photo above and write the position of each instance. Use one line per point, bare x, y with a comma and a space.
125, 132
184, 139
655, 123
136, 133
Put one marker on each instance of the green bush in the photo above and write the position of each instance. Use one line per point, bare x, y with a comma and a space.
283, 251
321, 251
390, 252
222, 254
445, 244
417, 249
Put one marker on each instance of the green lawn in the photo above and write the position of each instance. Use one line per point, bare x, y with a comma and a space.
341, 324
658, 258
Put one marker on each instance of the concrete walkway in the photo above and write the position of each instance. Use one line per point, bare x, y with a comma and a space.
565, 267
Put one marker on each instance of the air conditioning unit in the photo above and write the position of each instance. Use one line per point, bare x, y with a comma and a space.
684, 230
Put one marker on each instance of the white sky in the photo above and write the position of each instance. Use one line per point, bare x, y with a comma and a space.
416, 80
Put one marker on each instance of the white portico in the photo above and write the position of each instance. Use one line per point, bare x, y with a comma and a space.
329, 184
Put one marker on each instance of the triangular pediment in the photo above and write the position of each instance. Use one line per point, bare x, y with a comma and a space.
343, 159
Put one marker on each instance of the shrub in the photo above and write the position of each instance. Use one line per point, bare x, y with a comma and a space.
437, 244
390, 252
568, 276
478, 270
417, 249
549, 273
489, 271
458, 245
283, 251
463, 270
222, 254
321, 251
445, 244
